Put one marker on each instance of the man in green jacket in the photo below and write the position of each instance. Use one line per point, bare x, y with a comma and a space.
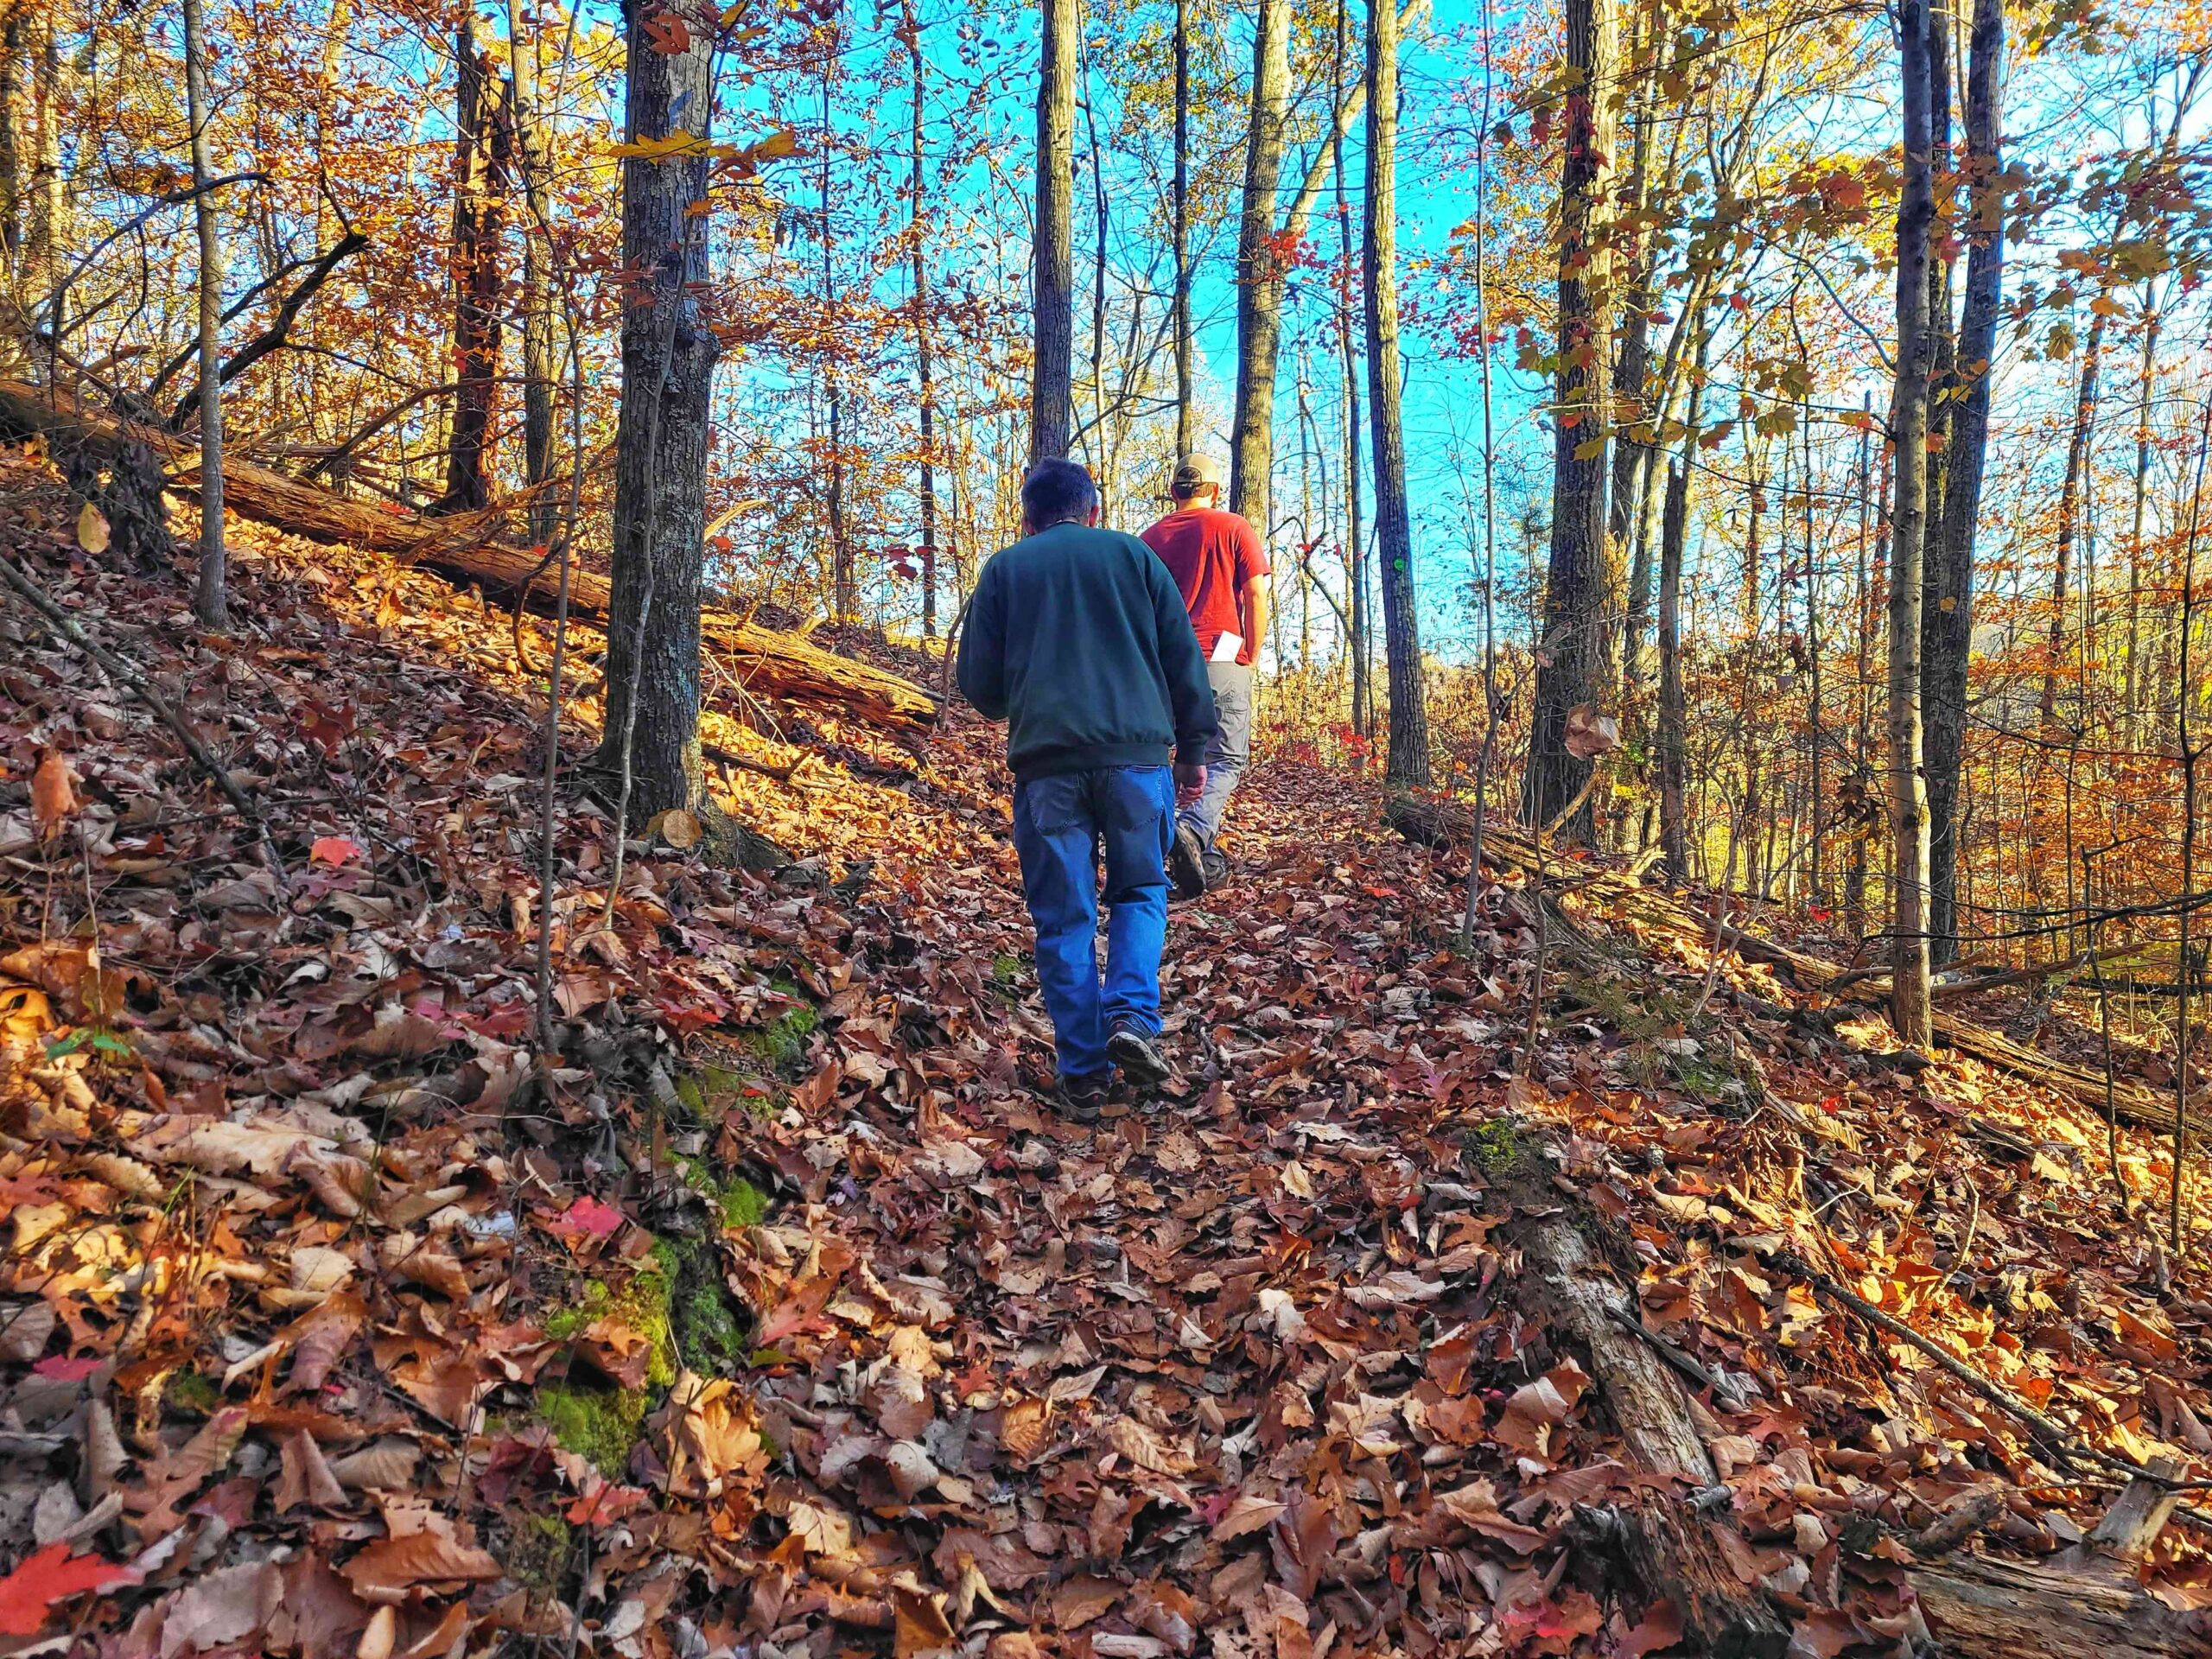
1078, 639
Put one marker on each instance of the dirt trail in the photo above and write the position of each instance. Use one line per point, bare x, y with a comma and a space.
785, 1319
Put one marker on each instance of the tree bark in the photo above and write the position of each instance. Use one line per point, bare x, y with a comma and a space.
1674, 720
1185, 408
1408, 763
1909, 427
661, 441
480, 151
1052, 284
844, 583
1259, 273
1981, 1607
1581, 632
15, 128
534, 165
1947, 621
211, 600
923, 372
2147, 382
2070, 491
1355, 550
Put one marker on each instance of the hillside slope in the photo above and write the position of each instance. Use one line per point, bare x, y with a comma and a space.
781, 1315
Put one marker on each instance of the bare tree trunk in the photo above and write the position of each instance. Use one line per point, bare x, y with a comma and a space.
15, 128
922, 368
1052, 290
2069, 505
844, 581
1186, 409
1946, 619
1674, 723
1409, 764
211, 602
661, 441
534, 164
2147, 378
1637, 404
1909, 1007
480, 151
1259, 275
1583, 594
1362, 689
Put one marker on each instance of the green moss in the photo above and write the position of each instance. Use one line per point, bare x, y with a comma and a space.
601, 1424
188, 1391
743, 1204
709, 1335
641, 1304
1498, 1147
782, 1041
1005, 969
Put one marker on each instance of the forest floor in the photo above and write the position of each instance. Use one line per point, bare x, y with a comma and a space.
785, 1318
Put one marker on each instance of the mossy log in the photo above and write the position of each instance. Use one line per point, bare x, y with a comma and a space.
468, 546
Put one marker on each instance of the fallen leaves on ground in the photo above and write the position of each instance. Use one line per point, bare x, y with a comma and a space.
779, 1314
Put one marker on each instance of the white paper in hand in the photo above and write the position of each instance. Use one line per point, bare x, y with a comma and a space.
1226, 647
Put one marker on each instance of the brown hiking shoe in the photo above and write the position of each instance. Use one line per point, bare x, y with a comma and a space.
1186, 864
1138, 1057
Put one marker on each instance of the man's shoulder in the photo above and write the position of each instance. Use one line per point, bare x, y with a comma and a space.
1064, 541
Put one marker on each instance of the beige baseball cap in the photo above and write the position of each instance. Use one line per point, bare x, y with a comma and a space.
1195, 472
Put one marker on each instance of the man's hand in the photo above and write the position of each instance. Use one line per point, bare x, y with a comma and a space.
1190, 783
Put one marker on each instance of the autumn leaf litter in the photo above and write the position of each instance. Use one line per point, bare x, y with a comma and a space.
785, 1318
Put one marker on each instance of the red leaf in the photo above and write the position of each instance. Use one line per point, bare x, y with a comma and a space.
62, 1370
588, 1218
48, 1577
333, 849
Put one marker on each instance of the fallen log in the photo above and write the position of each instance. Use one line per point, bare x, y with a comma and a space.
1984, 1607
1440, 823
466, 546
1668, 1548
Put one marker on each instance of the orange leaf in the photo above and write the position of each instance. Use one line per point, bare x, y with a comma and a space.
53, 794
333, 849
51, 1576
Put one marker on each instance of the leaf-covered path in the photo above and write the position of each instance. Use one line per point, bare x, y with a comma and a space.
784, 1317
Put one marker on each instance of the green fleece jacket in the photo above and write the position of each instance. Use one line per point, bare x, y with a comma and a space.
1079, 639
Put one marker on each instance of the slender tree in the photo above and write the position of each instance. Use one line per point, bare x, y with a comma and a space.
1185, 409
1583, 592
1052, 284
212, 602
923, 369
668, 352
479, 163
1409, 764
1909, 420
1358, 627
1947, 619
1251, 433
533, 164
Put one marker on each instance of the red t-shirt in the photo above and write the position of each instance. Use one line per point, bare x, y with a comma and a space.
1211, 555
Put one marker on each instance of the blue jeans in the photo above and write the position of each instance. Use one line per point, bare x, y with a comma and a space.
1059, 825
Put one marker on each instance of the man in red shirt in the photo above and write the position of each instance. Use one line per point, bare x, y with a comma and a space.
1220, 564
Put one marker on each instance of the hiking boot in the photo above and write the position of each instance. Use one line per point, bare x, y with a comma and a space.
1186, 863
1138, 1056
1082, 1099
1217, 867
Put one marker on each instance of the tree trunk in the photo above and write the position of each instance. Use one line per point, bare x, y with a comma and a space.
1909, 427
1582, 599
844, 581
211, 601
1636, 405
1946, 620
15, 128
1259, 273
1674, 722
662, 437
534, 165
1357, 642
479, 155
1052, 290
2147, 380
1409, 764
1185, 408
922, 368
2070, 492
